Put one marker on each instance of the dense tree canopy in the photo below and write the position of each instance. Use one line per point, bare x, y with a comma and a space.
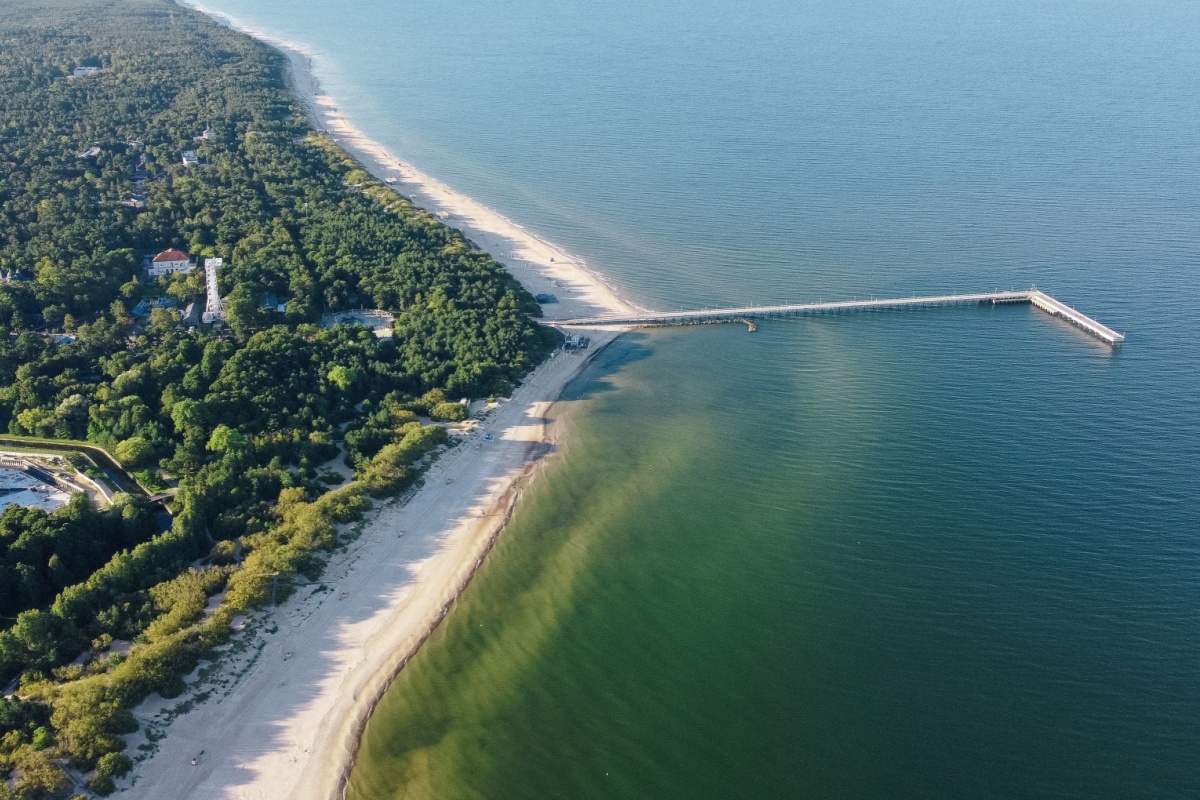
41, 554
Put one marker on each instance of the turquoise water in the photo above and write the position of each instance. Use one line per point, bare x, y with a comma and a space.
943, 554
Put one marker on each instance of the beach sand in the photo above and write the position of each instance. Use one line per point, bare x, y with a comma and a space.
281, 717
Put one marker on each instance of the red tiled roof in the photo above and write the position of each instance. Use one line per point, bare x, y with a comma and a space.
171, 255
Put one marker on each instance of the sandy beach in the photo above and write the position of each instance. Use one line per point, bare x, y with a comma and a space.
280, 716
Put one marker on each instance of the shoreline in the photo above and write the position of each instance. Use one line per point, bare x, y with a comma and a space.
288, 723
306, 678
539, 265
503, 511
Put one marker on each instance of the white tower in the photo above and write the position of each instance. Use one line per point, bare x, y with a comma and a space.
213, 310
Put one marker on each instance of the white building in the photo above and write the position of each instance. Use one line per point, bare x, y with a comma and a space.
169, 262
85, 72
190, 159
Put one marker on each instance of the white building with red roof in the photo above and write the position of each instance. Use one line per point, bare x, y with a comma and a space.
169, 262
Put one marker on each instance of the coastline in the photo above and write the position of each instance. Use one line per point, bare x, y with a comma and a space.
540, 266
288, 723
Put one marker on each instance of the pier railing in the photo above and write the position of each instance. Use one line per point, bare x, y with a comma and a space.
1059, 309
1039, 299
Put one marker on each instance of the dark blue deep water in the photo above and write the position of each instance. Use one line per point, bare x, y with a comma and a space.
948, 554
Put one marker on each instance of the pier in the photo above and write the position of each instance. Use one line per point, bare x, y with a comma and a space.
1037, 298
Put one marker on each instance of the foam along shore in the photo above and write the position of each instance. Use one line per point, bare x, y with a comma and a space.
282, 716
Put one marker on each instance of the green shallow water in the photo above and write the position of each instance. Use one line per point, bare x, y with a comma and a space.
802, 581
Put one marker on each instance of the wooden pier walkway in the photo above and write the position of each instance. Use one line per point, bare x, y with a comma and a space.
1039, 299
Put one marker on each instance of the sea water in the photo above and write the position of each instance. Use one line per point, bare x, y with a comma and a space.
941, 554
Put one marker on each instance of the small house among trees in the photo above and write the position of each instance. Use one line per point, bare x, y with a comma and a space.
169, 262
